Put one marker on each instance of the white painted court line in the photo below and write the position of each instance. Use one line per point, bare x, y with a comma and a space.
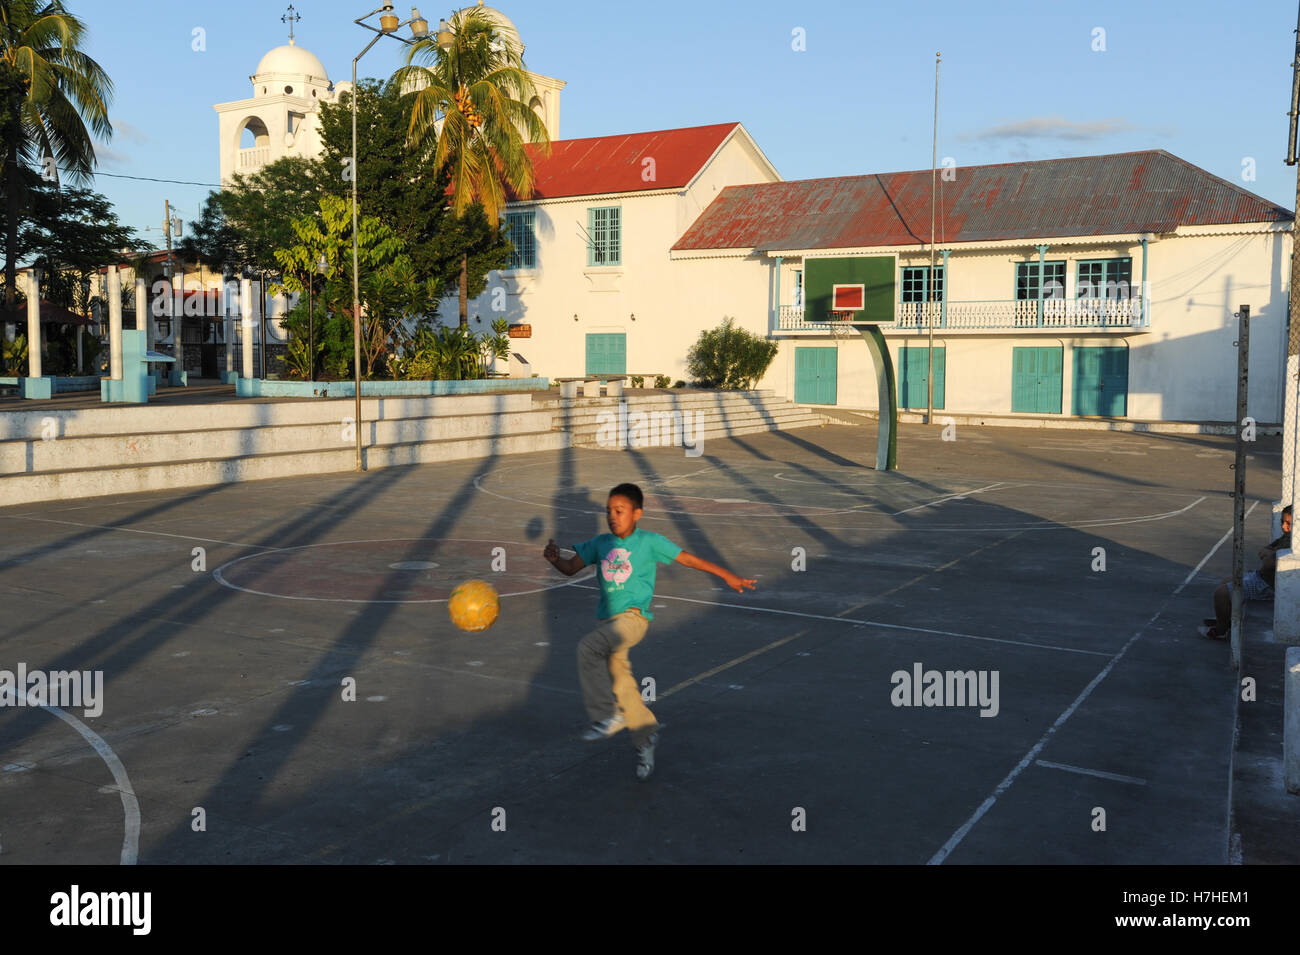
1093, 772
946, 497
134, 530
956, 838
1206, 559
866, 623
130, 805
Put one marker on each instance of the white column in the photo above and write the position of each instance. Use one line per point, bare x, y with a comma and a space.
114, 293
227, 325
34, 323
246, 322
143, 314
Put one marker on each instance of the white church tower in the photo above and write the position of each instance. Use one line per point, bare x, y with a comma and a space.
281, 117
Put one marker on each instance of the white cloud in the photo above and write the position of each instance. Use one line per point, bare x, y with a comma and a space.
1049, 127
132, 134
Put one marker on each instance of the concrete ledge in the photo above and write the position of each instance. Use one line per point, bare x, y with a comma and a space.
268, 388
1065, 423
97, 482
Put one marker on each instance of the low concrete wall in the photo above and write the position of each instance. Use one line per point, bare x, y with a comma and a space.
137, 419
259, 388
60, 386
84, 383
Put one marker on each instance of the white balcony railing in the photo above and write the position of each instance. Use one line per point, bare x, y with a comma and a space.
254, 158
1004, 314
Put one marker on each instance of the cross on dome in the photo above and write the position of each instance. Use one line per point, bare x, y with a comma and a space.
292, 16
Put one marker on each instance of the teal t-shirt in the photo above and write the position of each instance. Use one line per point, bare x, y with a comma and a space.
625, 568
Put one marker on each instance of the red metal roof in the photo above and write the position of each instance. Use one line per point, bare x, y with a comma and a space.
1149, 191
602, 164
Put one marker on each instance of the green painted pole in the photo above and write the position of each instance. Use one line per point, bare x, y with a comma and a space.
887, 439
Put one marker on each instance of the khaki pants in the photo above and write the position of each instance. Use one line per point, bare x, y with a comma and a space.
605, 673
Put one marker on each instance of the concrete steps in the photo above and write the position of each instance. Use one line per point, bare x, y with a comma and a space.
674, 419
99, 451
77, 453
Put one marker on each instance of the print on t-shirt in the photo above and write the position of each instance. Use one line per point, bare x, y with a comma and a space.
616, 566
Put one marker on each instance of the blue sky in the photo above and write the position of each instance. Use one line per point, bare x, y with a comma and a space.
1020, 80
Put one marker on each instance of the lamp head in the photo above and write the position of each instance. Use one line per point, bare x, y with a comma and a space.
419, 25
445, 38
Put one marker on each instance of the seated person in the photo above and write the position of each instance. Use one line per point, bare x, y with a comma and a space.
1255, 584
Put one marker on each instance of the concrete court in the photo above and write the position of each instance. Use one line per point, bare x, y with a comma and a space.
224, 687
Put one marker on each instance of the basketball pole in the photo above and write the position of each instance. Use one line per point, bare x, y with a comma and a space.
1239, 486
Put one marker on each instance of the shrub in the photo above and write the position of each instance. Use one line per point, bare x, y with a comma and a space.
680, 384
729, 357
662, 381
638, 381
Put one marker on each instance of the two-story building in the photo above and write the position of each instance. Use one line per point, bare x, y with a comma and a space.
1102, 285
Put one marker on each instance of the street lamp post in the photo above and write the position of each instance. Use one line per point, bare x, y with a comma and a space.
388, 26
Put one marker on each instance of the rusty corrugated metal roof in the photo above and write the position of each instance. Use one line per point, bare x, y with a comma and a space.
604, 164
1149, 191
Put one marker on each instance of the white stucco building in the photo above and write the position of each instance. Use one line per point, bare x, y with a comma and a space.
1096, 286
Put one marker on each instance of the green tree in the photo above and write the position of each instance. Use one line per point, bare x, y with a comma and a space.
212, 241
259, 211
72, 233
470, 117
391, 293
53, 100
398, 186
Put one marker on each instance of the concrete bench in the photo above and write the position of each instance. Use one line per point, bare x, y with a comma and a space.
590, 385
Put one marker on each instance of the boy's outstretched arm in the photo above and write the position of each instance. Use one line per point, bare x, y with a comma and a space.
565, 565
738, 584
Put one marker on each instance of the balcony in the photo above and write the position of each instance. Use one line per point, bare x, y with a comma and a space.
254, 158
1056, 314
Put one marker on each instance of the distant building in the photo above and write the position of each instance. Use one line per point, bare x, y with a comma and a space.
282, 116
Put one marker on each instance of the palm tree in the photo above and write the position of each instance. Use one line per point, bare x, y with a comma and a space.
470, 114
50, 91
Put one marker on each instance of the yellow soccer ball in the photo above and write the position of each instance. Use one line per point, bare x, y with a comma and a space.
474, 605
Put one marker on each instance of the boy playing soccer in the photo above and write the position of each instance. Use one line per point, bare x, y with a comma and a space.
627, 558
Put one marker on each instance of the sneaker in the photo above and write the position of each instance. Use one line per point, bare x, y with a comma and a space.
1210, 633
646, 757
604, 728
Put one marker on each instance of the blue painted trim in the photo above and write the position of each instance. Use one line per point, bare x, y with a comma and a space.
1144, 281
943, 302
779, 260
273, 388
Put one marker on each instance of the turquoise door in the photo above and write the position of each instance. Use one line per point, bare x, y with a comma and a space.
911, 381
1101, 381
607, 354
1036, 380
814, 375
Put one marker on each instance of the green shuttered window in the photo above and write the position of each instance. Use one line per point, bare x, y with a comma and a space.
521, 231
604, 226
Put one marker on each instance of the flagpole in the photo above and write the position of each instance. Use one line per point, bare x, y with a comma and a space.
929, 282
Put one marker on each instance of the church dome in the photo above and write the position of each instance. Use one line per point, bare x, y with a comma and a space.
505, 26
294, 61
